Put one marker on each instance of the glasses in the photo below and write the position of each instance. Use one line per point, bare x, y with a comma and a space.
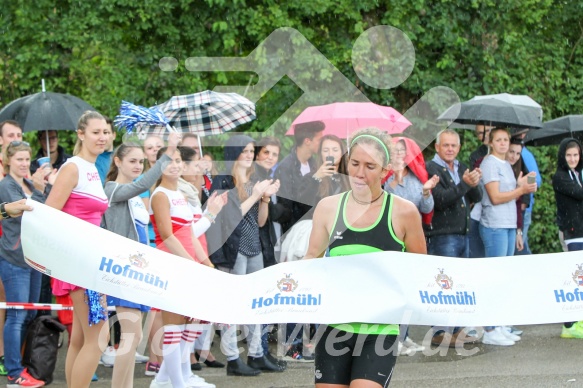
400, 151
17, 143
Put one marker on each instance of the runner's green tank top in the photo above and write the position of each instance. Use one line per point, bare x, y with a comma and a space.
346, 240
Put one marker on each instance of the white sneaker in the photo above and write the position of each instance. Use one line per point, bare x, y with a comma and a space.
141, 359
195, 381
507, 332
108, 357
158, 384
513, 330
496, 337
415, 347
402, 350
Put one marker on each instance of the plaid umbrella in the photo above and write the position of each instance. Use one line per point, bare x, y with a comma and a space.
205, 113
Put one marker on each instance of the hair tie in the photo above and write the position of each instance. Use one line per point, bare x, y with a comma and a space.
374, 138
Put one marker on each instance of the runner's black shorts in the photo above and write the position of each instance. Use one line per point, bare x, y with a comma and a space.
343, 356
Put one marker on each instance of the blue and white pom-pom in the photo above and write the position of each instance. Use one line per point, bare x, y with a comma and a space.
130, 115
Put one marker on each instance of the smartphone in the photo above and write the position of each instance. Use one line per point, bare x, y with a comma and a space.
330, 160
530, 179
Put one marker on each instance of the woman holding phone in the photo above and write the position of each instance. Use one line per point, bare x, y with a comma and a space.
331, 177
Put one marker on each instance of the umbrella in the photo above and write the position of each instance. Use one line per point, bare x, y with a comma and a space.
492, 111
45, 111
556, 130
205, 113
343, 118
515, 99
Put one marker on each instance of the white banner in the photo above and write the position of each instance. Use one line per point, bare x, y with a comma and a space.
385, 287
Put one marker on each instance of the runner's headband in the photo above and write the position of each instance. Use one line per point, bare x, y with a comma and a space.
374, 138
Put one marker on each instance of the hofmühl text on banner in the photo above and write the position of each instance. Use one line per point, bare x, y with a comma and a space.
384, 287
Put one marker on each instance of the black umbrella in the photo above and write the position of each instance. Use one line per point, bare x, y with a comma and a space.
494, 112
45, 111
556, 130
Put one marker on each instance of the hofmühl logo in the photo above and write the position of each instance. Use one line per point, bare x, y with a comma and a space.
578, 275
287, 284
137, 260
443, 281
562, 296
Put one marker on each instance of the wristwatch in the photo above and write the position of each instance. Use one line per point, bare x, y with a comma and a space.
3, 212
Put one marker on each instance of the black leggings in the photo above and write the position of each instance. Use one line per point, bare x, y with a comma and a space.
343, 356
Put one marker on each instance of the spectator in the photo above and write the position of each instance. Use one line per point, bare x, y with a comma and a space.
529, 161
49, 143
202, 221
191, 140
9, 131
452, 196
513, 156
58, 154
295, 169
568, 189
152, 145
128, 217
476, 244
103, 161
172, 219
408, 179
22, 282
209, 170
498, 221
483, 135
78, 192
234, 243
293, 172
267, 155
329, 178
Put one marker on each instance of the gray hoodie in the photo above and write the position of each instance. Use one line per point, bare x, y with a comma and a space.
118, 217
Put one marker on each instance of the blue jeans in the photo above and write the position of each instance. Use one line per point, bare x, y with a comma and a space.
21, 285
498, 241
476, 244
526, 220
449, 245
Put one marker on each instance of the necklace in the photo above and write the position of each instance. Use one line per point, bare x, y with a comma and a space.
364, 202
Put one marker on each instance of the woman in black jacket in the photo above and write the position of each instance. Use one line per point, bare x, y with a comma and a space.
233, 240
568, 189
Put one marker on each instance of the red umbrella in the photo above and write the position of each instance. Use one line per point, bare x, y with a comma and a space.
343, 118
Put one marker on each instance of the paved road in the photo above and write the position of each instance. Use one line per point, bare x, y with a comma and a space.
541, 359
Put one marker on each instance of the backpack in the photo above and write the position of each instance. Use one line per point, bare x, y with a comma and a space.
41, 346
